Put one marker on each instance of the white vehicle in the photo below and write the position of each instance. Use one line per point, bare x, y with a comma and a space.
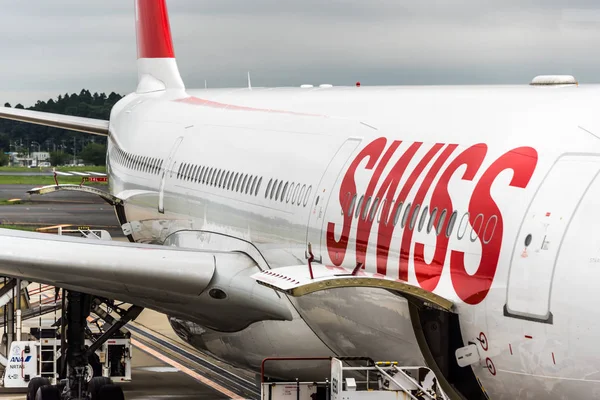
447, 226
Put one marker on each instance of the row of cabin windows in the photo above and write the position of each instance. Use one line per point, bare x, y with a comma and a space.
294, 193
408, 213
149, 165
229, 180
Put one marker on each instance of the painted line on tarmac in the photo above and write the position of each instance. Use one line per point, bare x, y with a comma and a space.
223, 373
186, 370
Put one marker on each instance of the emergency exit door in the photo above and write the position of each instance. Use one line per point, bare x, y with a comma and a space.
326, 193
540, 236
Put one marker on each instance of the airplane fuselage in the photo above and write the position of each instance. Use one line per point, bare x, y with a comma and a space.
485, 196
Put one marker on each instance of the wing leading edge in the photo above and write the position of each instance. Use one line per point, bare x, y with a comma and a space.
80, 124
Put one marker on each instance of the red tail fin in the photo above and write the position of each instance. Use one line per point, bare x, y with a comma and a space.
157, 69
153, 30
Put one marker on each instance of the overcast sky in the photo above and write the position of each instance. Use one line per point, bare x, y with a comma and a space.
50, 47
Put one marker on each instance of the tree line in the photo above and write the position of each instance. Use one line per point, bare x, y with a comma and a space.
63, 145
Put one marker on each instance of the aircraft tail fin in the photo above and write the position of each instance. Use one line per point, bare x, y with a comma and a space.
157, 67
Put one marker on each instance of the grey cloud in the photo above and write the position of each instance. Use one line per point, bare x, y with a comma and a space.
64, 45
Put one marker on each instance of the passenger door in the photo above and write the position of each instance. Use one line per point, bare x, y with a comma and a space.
329, 181
166, 173
540, 238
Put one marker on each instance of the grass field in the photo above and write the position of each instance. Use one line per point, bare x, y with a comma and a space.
18, 227
101, 169
41, 180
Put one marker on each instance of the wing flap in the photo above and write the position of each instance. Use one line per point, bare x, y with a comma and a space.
297, 281
80, 124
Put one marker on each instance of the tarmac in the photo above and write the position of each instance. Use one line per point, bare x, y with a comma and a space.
164, 367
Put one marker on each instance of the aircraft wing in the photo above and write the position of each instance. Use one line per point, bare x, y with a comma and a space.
80, 124
167, 279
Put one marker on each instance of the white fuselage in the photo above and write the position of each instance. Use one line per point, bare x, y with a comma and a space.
514, 168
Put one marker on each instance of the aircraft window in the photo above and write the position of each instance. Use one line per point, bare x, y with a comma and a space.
226, 180
451, 223
197, 177
273, 188
190, 173
258, 186
307, 195
244, 183
193, 174
220, 176
351, 206
491, 229
278, 190
160, 166
440, 223
149, 162
185, 171
294, 193
528, 239
432, 220
381, 210
413, 220
145, 164
424, 215
285, 188
235, 179
239, 183
268, 188
153, 166
141, 163
366, 209
465, 219
477, 230
398, 212
359, 206
179, 171
248, 184
203, 173
289, 193
374, 209
253, 185
230, 180
213, 177
405, 215
300, 195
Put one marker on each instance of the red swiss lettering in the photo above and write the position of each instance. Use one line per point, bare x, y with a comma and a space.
364, 220
386, 192
472, 289
337, 248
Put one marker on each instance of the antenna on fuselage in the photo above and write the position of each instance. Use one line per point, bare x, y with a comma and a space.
205, 86
249, 81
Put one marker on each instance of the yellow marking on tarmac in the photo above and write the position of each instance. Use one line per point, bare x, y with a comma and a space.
47, 228
13, 200
186, 370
